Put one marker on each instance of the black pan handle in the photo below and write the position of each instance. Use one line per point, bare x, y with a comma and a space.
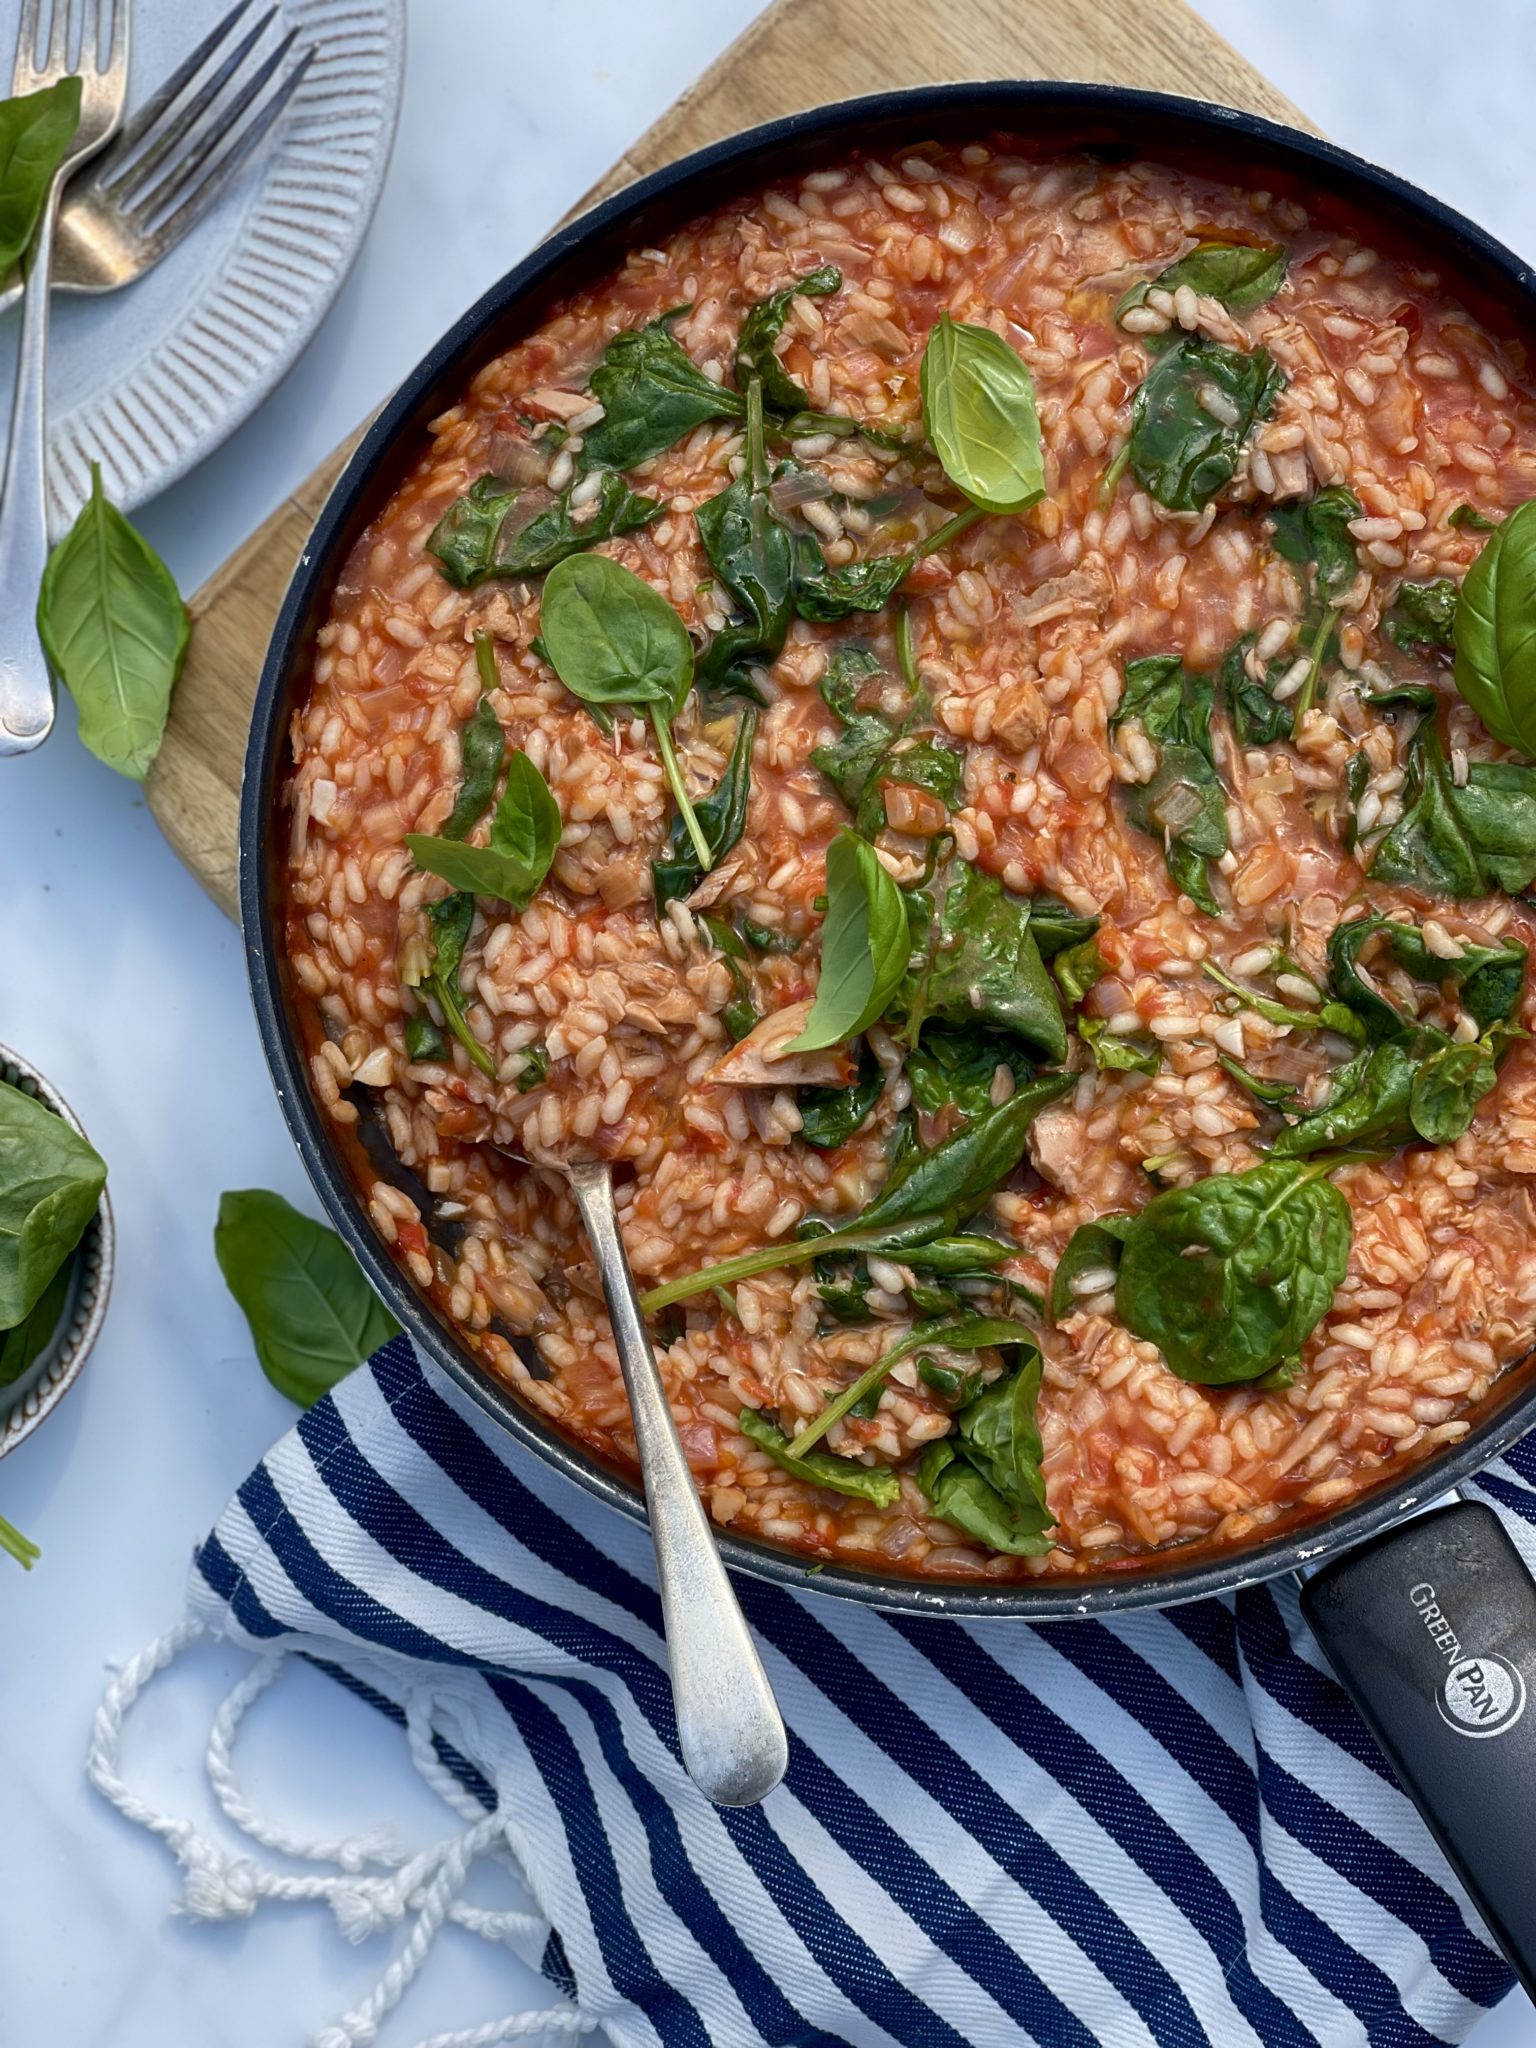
1432, 1631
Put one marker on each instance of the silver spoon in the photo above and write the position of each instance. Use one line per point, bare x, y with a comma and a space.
729, 1727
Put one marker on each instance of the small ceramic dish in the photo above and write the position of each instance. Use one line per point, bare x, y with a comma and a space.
44, 1384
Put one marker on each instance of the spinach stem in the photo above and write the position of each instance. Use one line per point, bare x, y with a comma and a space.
906, 653
1309, 687
757, 460
452, 1010
726, 1272
661, 724
1112, 475
485, 661
22, 1548
867, 1381
948, 531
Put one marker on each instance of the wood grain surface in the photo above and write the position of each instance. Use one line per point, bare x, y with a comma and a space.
799, 53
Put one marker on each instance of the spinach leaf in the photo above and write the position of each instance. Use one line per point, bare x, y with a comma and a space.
1273, 1094
313, 1316
951, 1333
1230, 1277
23, 1345
1489, 979
35, 130
1237, 275
830, 1116
115, 631
915, 1215
1183, 804
926, 764
986, 1479
874, 749
763, 938
1326, 1017
612, 639
1495, 632
1447, 1088
482, 748
1182, 453
1117, 1054
753, 555
877, 1484
1460, 840
1055, 928
1093, 1248
762, 327
824, 595
956, 1065
986, 967
525, 837
475, 540
1422, 616
464, 539
555, 532
448, 922
1078, 969
423, 1040
722, 815
1258, 718
1316, 531
740, 1014
653, 395
1469, 519
865, 944
846, 673
1368, 1104
979, 414
50, 1183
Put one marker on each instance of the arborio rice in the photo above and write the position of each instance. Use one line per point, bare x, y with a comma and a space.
606, 1023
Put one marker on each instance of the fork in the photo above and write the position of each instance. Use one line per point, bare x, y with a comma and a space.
151, 187
26, 696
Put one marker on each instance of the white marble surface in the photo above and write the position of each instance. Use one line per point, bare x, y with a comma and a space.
125, 983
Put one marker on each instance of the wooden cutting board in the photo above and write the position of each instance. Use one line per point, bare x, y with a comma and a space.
799, 53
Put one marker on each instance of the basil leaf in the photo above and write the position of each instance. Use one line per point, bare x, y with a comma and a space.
986, 967
448, 922
1182, 454
23, 1346
1460, 840
865, 945
979, 414
877, 1484
722, 815
1422, 616
525, 837
955, 1066
35, 130
1258, 719
824, 595
482, 748
653, 395
1495, 632
115, 631
830, 1116
50, 1184
762, 327
1230, 1277
1092, 1248
313, 1316
1113, 1053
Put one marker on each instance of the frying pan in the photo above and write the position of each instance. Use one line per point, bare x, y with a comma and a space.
1429, 1617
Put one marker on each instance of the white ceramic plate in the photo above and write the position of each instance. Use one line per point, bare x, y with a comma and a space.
149, 379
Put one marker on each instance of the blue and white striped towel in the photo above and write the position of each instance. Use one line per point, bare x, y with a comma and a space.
1169, 1828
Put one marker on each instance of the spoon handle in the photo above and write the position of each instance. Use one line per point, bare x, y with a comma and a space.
728, 1722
